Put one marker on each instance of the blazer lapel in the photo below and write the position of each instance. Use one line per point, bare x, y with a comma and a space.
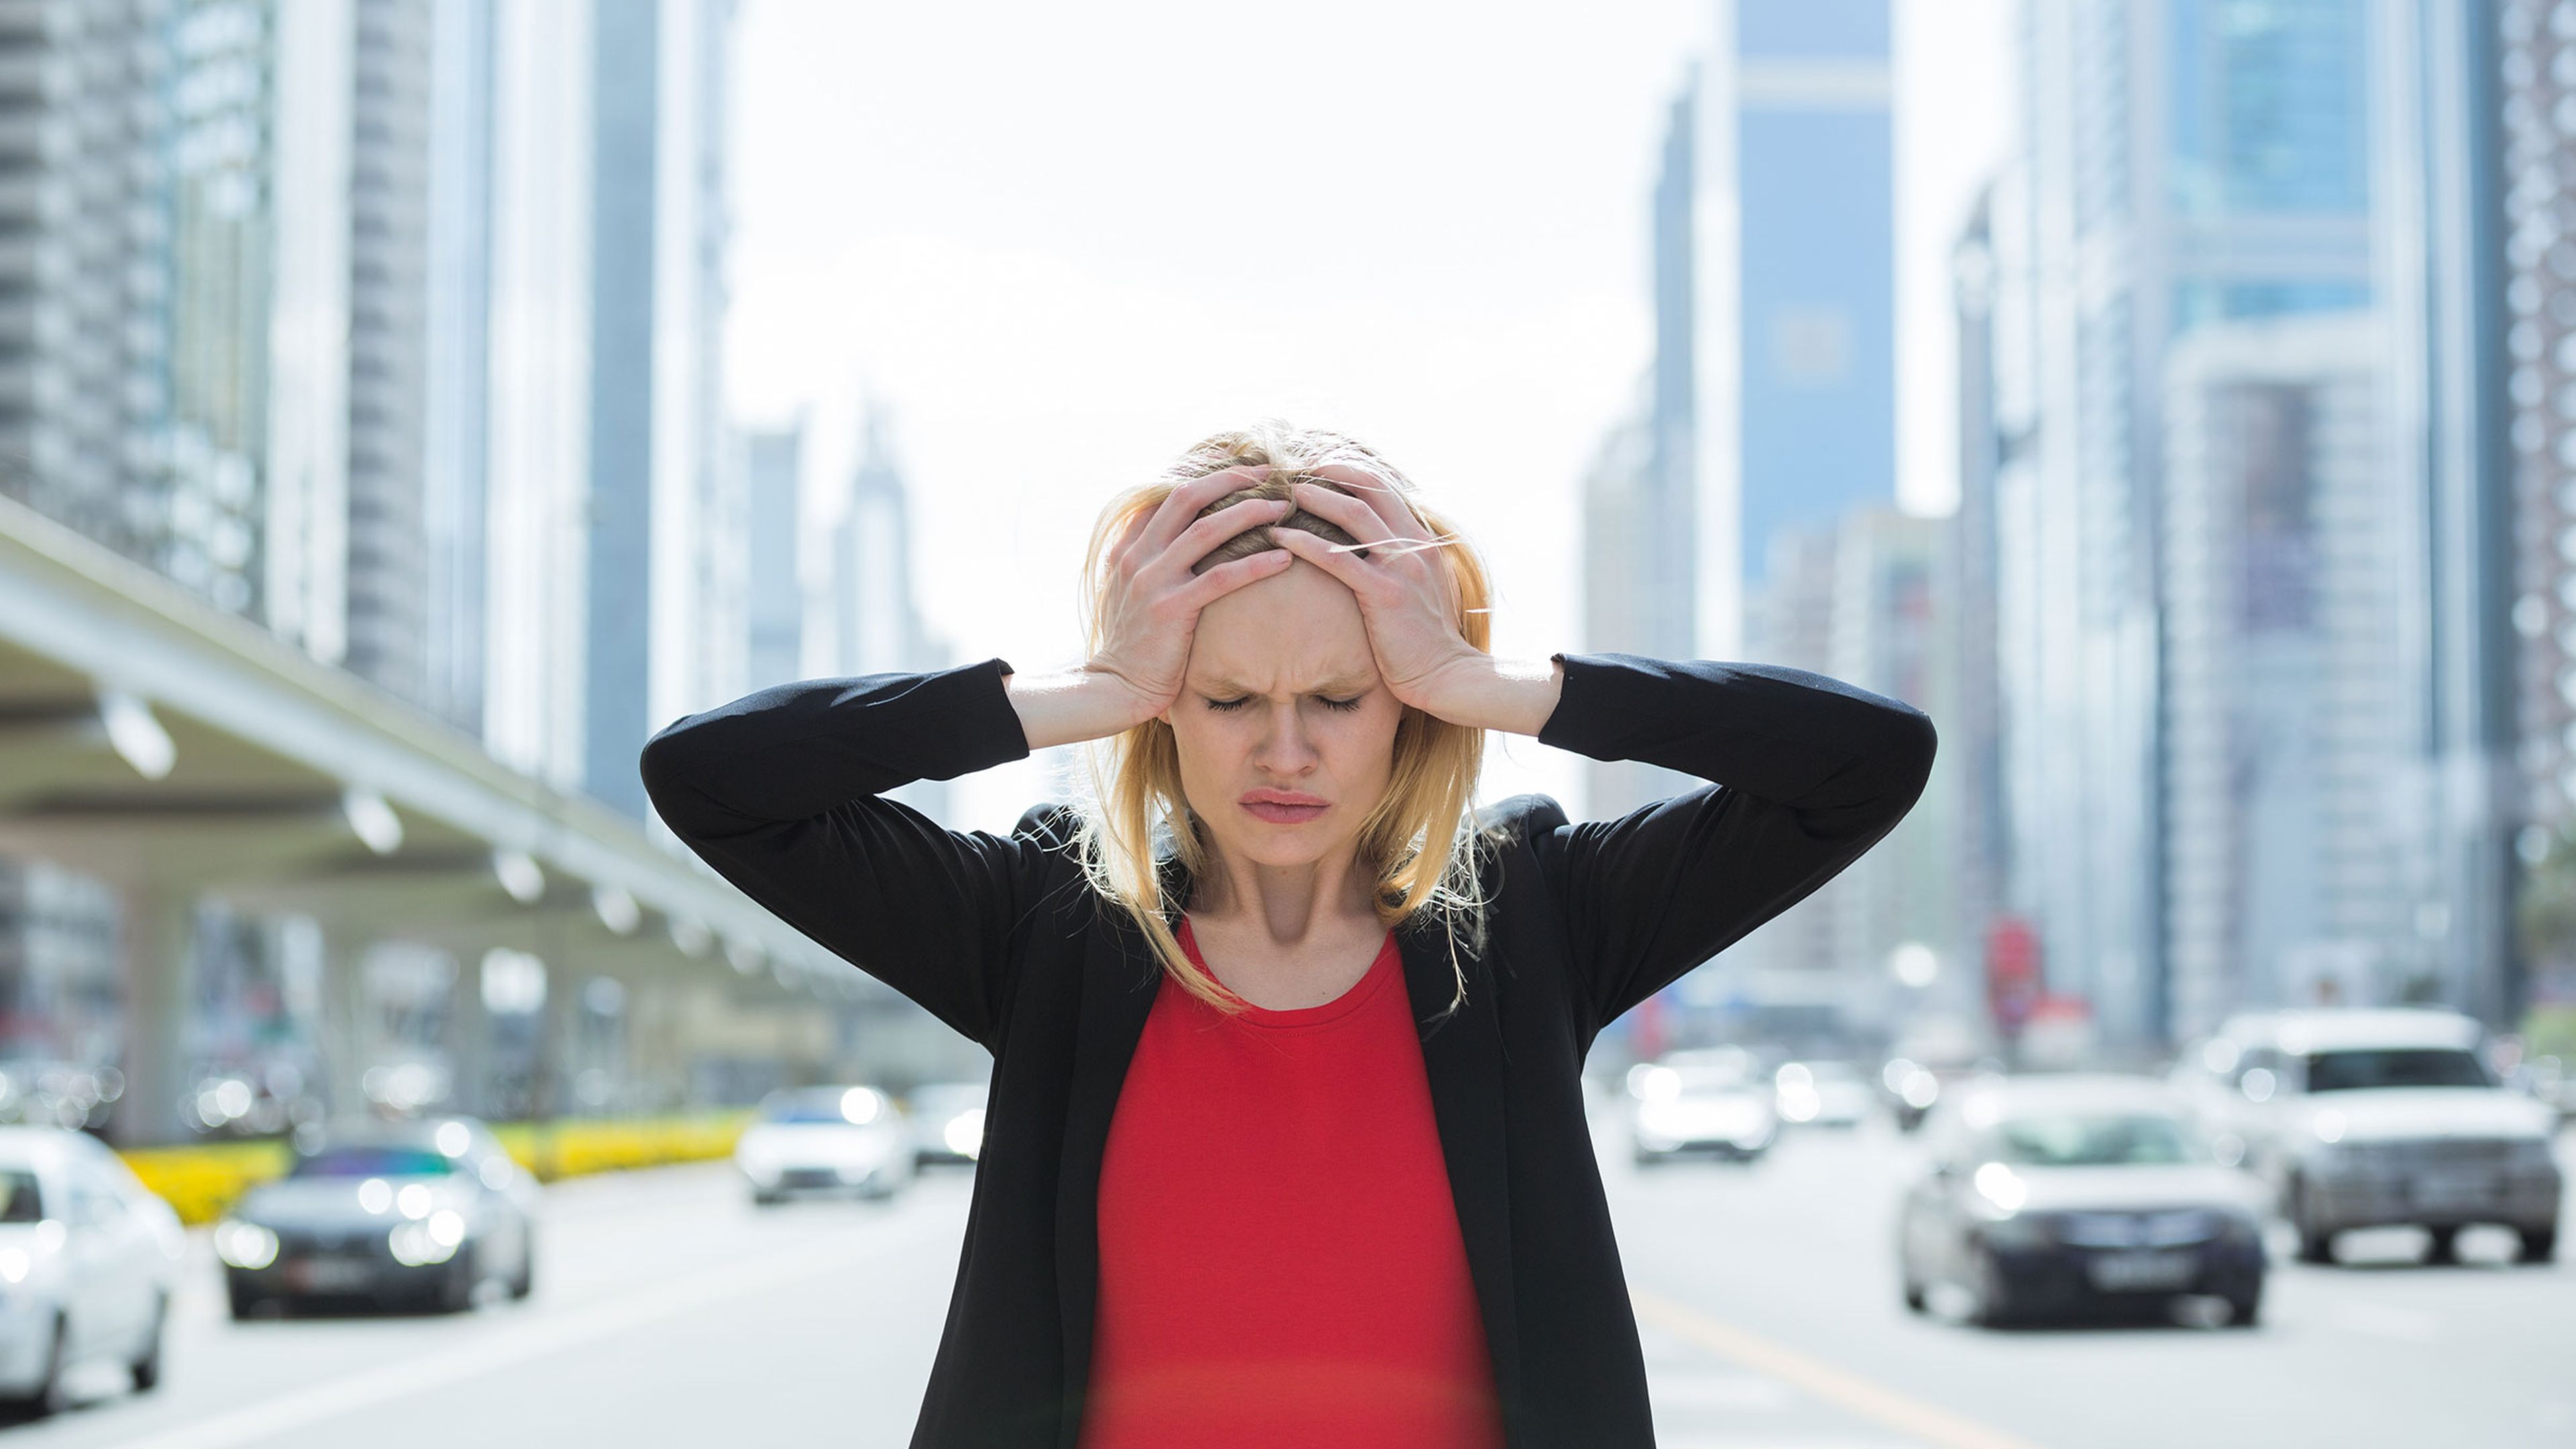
1119, 982
1462, 1055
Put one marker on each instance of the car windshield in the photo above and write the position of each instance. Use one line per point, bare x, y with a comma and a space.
373, 1161
2396, 1067
18, 1200
2072, 1139
823, 1106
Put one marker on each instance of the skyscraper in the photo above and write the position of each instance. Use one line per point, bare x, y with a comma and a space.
773, 469
1793, 287
2181, 162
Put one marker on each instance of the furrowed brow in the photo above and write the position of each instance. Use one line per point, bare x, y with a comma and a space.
1338, 684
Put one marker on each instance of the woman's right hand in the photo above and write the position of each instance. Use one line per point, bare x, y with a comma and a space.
1150, 601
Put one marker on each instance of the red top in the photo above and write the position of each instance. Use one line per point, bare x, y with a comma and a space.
1279, 1254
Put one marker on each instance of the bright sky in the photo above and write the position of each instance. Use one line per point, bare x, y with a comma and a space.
1062, 243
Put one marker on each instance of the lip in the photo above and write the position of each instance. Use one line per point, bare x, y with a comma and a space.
1283, 807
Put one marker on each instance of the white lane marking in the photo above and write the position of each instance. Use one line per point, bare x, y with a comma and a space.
1738, 1441
260, 1422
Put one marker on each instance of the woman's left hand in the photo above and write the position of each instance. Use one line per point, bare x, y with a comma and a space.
1406, 595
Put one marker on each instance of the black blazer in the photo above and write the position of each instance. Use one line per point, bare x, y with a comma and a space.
1000, 937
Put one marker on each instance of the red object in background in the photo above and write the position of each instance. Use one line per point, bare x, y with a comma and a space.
2012, 972
1649, 1033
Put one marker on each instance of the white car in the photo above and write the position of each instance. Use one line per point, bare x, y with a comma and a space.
2367, 1118
839, 1139
88, 1259
1700, 1101
948, 1121
1822, 1093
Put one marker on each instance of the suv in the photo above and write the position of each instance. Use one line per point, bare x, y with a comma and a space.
2368, 1118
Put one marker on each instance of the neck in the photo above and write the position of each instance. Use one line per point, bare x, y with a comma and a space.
1290, 904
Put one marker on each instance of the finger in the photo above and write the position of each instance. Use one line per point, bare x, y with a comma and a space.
1382, 497
1133, 529
1205, 536
1355, 517
1333, 558
1185, 502
1233, 574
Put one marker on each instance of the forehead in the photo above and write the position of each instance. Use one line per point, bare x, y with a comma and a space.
1297, 630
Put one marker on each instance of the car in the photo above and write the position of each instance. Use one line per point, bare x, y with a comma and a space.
407, 1214
849, 1138
1821, 1093
1709, 1101
947, 1121
2052, 1195
2386, 1116
89, 1258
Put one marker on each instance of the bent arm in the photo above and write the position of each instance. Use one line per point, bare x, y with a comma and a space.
782, 792
1807, 773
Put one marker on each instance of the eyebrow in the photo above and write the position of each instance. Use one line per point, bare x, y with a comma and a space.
1338, 684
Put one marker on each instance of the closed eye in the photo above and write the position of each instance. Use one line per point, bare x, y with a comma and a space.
1341, 704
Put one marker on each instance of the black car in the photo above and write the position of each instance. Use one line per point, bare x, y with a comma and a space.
389, 1215
2056, 1196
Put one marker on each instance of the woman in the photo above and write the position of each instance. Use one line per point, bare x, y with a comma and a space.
1286, 1142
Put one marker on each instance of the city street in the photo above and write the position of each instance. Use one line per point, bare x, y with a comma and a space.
670, 1311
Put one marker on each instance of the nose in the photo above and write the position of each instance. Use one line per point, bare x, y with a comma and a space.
1284, 749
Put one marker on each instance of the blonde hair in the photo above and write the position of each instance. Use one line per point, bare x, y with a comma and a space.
1419, 841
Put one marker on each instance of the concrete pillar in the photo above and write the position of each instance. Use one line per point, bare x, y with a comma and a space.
159, 935
342, 1043
469, 1036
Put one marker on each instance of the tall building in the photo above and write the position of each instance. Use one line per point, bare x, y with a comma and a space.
873, 611
666, 629
2290, 821
2181, 163
773, 471
1792, 287
456, 441
1858, 598
1972, 727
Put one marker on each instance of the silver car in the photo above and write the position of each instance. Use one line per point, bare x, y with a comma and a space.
88, 1259
2370, 1118
385, 1215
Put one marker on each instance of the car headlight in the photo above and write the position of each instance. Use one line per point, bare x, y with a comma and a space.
965, 1134
434, 1240
245, 1245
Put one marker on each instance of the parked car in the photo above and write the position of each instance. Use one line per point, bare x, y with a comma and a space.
1710, 1101
2061, 1195
947, 1122
385, 1214
2375, 1117
1821, 1093
89, 1257
840, 1139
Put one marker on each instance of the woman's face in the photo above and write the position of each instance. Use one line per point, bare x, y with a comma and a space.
1286, 734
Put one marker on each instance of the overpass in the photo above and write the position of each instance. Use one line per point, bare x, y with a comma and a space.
175, 750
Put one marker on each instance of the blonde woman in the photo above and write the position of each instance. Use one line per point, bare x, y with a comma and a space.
1286, 1141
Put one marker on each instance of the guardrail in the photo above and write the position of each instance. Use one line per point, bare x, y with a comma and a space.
202, 1180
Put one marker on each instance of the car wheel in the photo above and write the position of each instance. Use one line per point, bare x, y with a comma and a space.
147, 1369
2245, 1312
525, 1281
47, 1397
456, 1290
767, 1199
1994, 1307
2441, 1245
2316, 1245
2539, 1245
1913, 1296
245, 1301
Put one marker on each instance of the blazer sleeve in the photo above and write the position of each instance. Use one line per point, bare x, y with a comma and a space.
1807, 773
782, 791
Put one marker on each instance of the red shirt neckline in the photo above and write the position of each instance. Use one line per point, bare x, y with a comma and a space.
1361, 992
